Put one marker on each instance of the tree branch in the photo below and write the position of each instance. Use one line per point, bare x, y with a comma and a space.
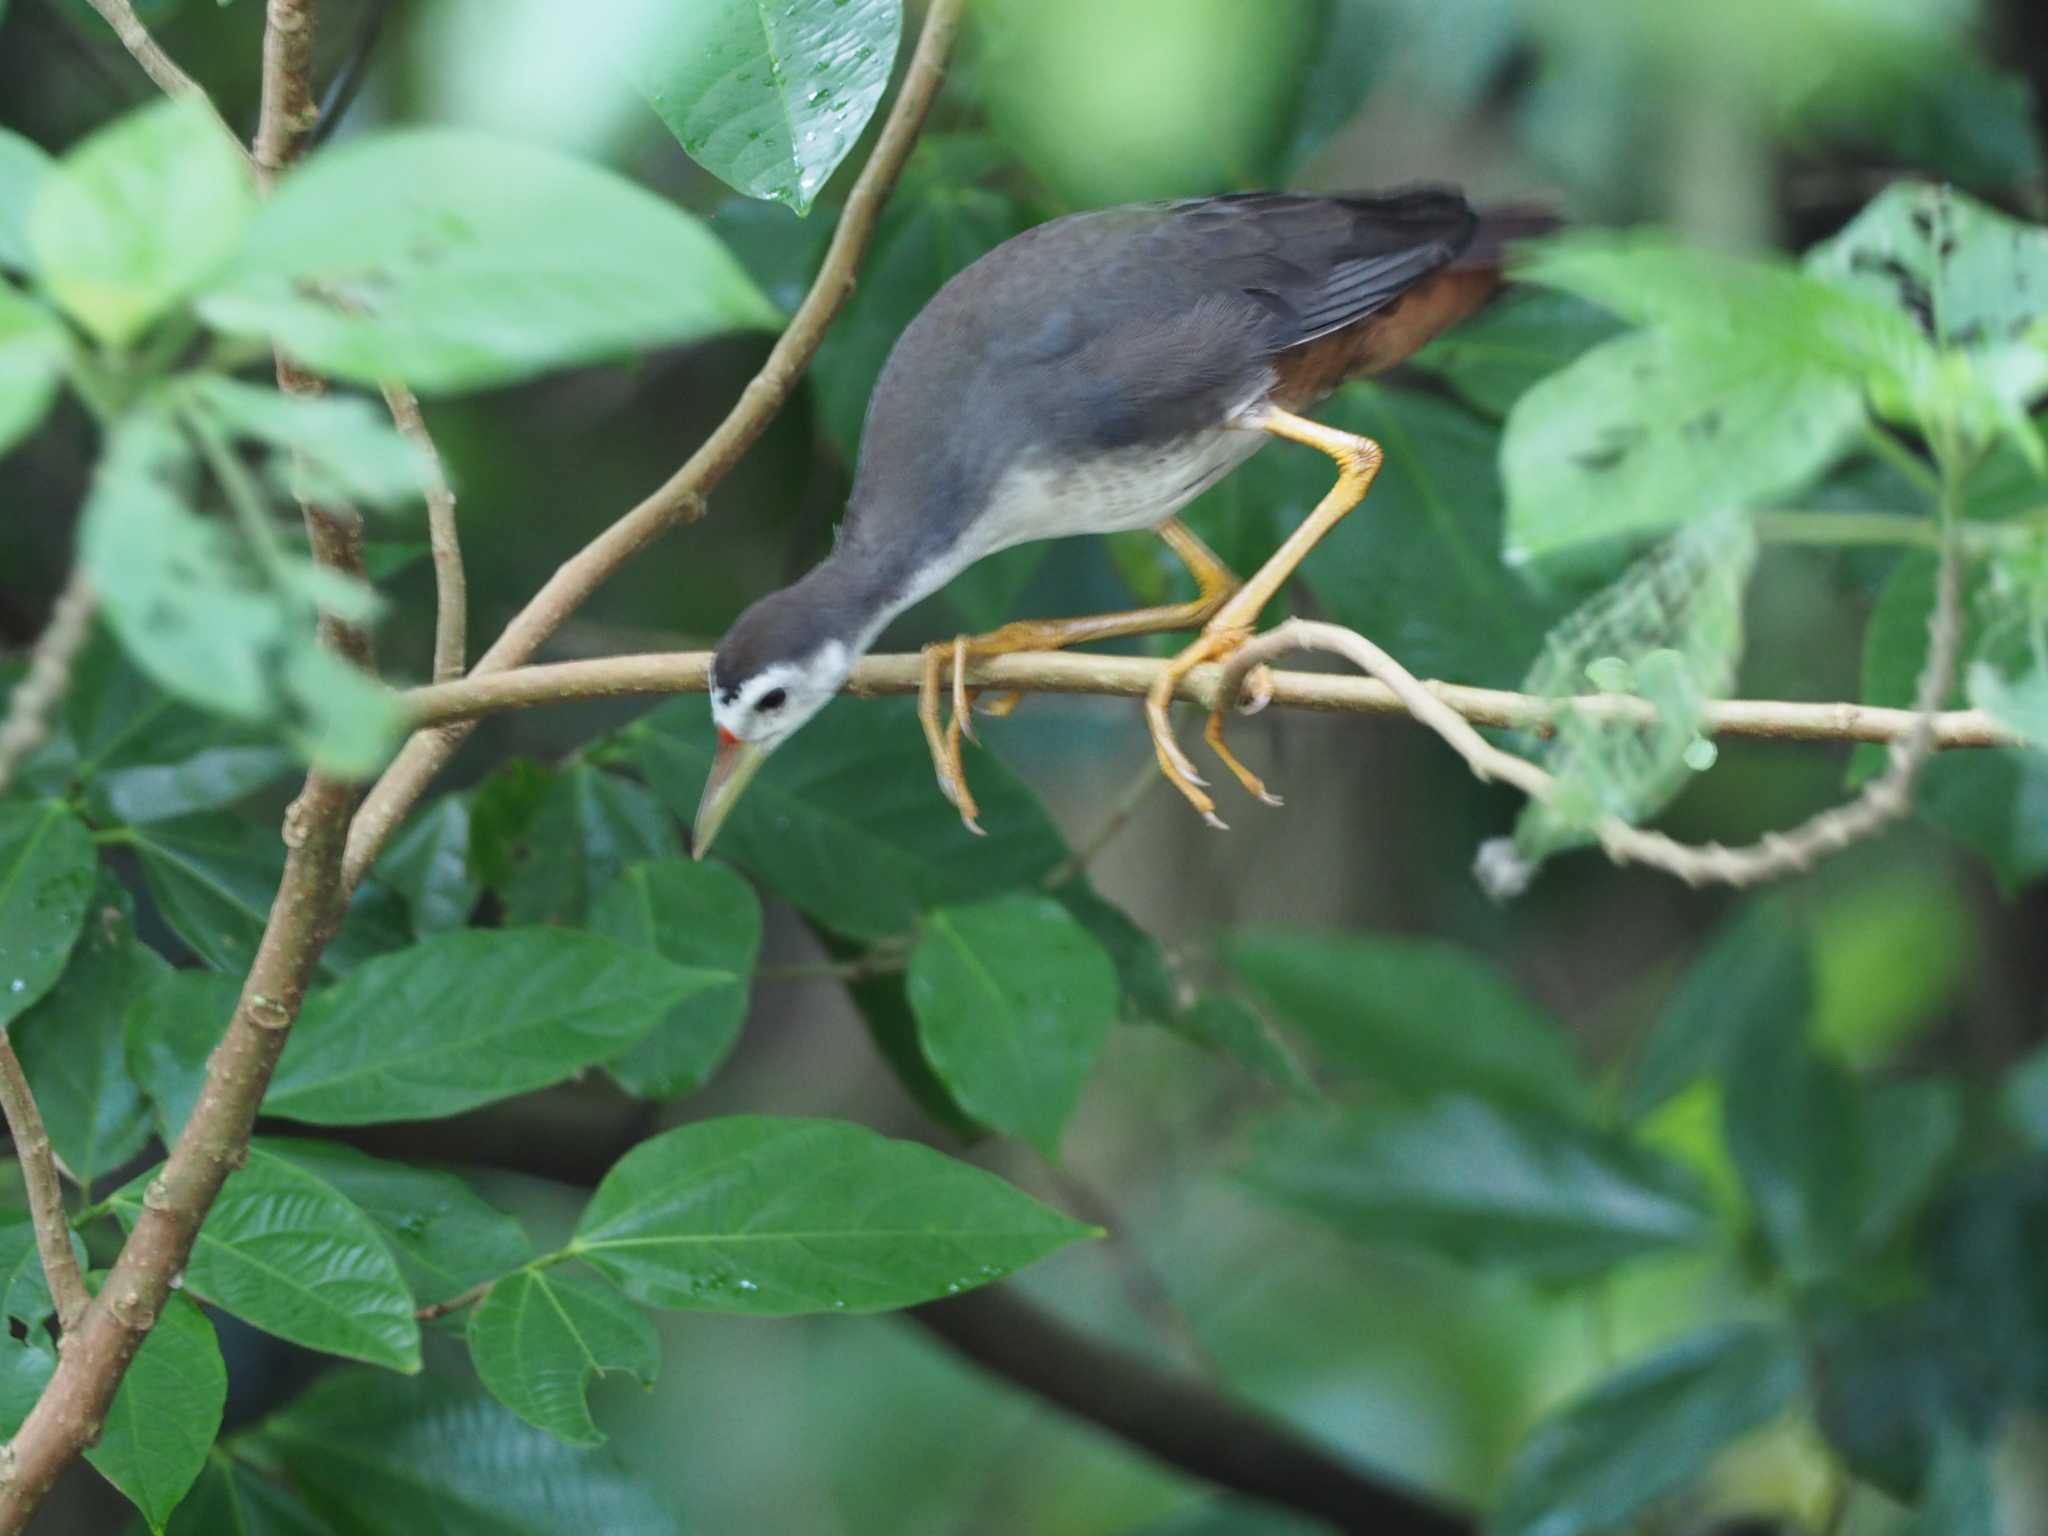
681, 498
45, 1194
1182, 1423
158, 65
27, 724
288, 112
1130, 676
451, 586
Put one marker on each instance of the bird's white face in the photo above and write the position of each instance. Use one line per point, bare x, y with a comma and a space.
765, 710
754, 716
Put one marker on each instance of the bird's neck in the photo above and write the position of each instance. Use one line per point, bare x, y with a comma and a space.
857, 592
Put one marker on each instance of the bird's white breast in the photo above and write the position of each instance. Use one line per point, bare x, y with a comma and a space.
1113, 492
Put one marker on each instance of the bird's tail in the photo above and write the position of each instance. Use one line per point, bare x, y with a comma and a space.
1503, 225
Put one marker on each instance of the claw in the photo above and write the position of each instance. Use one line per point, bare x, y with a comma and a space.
1216, 821
1257, 692
963, 709
1000, 706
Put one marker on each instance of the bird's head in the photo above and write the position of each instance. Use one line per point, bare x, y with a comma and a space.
776, 668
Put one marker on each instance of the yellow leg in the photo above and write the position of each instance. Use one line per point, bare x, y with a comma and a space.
1358, 463
1214, 583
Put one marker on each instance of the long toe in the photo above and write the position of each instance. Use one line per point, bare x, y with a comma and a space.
1253, 784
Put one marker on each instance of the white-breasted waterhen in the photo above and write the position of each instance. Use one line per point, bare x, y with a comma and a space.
1093, 375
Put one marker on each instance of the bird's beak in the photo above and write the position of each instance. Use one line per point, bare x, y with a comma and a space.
736, 763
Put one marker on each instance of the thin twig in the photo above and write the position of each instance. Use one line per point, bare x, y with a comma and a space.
160, 66
617, 677
451, 586
27, 724
1114, 820
434, 1310
681, 498
1882, 801
45, 1193
288, 111
341, 90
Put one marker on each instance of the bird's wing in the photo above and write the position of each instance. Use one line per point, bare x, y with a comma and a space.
1318, 264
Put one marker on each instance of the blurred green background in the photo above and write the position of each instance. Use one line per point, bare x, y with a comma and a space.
1750, 125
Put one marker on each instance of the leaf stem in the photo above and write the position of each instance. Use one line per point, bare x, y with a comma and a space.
1908, 463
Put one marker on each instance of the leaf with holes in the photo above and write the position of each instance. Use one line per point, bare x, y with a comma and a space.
539, 1337
285, 1252
767, 95
454, 260
778, 1217
1014, 1001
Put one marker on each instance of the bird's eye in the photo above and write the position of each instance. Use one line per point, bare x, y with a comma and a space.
773, 700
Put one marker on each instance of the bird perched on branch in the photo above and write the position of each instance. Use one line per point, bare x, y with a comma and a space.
1094, 375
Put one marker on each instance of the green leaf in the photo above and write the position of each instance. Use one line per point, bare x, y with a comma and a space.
32, 348
884, 1004
706, 919
1659, 427
47, 865
359, 1446
1669, 631
1647, 1432
171, 1030
1961, 1498
769, 97
1988, 1247
205, 781
25, 1369
499, 261
1910, 1131
233, 1499
427, 863
467, 1018
777, 1217
2024, 1098
164, 1417
1419, 565
1149, 991
328, 448
540, 1335
1888, 1383
1501, 353
2008, 673
1416, 1016
71, 1043
1483, 1184
207, 624
1221, 1023
1972, 280
1790, 1120
588, 826
937, 222
213, 878
23, 165
846, 822
285, 1252
445, 1237
24, 1288
1014, 1001
1756, 974
1988, 799
138, 217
